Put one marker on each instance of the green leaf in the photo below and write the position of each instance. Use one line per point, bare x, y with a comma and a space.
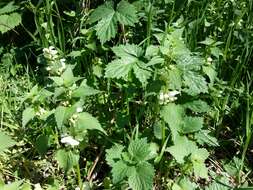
118, 69
10, 7
5, 142
198, 106
218, 185
142, 177
59, 115
195, 83
155, 60
198, 158
101, 12
113, 154
182, 147
142, 73
151, 51
57, 80
66, 159
128, 52
200, 170
119, 171
84, 91
9, 22
87, 122
27, 115
158, 133
175, 79
107, 27
233, 166
68, 77
192, 124
186, 184
210, 72
173, 115
126, 13
41, 144
203, 137
139, 149
108, 18
13, 186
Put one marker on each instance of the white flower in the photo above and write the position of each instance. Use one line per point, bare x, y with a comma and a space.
169, 96
209, 59
79, 109
63, 64
173, 93
69, 141
48, 68
50, 53
37, 187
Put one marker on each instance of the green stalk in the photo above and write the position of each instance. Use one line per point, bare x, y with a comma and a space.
248, 133
79, 179
149, 24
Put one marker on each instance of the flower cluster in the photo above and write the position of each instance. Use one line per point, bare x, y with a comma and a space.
56, 65
168, 97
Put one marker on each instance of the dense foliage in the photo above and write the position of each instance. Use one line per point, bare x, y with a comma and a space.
137, 94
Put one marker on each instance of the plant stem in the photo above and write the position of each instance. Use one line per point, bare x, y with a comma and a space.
149, 24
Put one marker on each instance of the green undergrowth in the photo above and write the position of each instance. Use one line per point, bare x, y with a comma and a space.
126, 95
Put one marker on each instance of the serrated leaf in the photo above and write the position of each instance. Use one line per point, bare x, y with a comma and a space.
87, 122
126, 13
203, 137
210, 72
108, 18
192, 124
179, 150
84, 91
5, 141
107, 28
195, 83
113, 154
158, 133
68, 77
151, 51
9, 22
129, 50
155, 60
57, 80
200, 155
200, 170
10, 7
27, 115
13, 186
101, 12
198, 158
66, 159
173, 115
186, 184
117, 69
142, 177
198, 106
139, 149
59, 115
142, 73
41, 144
119, 171
175, 79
